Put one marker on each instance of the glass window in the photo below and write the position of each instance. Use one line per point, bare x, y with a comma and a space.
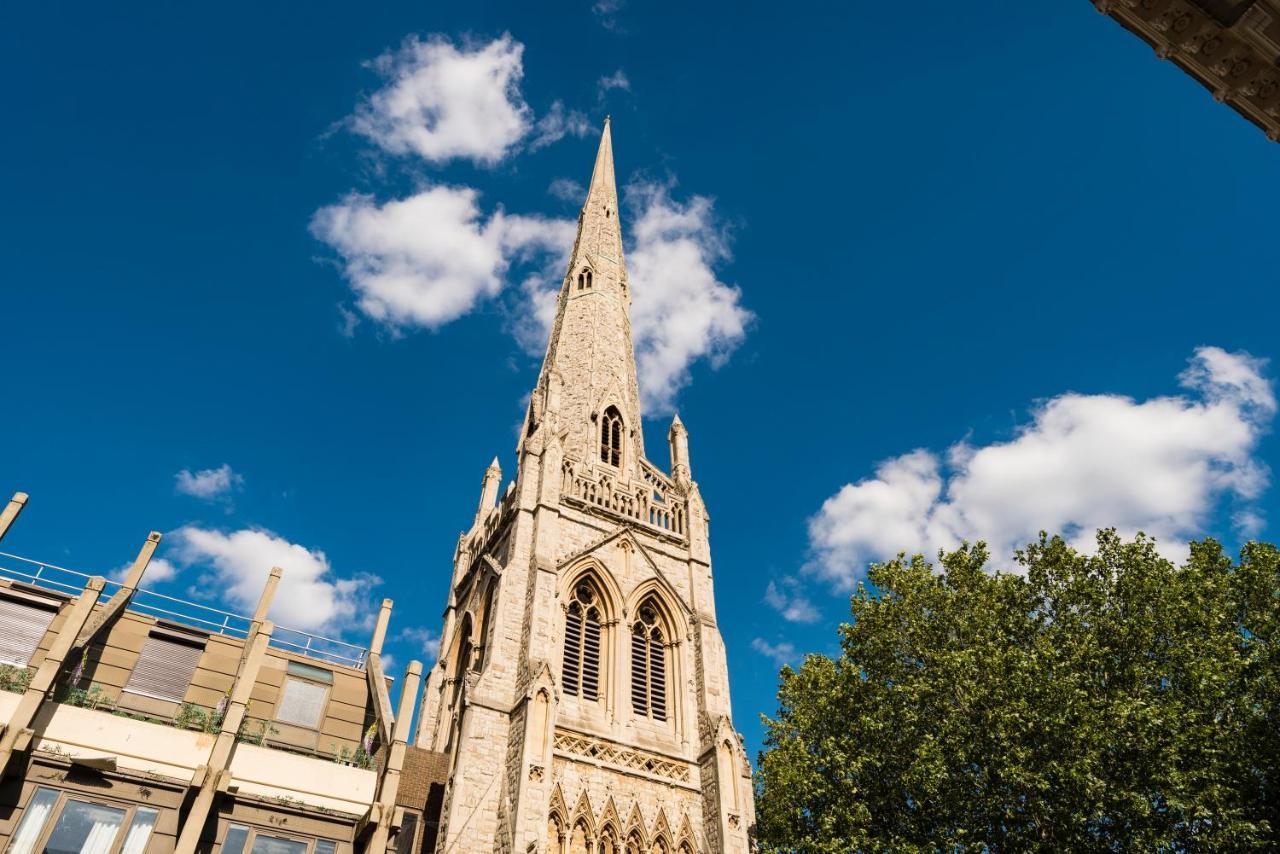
164, 669
33, 821
234, 841
238, 837
80, 826
84, 828
140, 827
263, 844
302, 702
402, 842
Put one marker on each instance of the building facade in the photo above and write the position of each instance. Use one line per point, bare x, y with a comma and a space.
1232, 47
581, 697
137, 723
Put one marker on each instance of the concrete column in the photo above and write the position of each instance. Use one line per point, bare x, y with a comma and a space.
380, 628
212, 777
123, 596
17, 732
268, 593
384, 716
11, 511
389, 784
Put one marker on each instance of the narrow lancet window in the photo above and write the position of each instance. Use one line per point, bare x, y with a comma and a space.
648, 666
611, 437
581, 670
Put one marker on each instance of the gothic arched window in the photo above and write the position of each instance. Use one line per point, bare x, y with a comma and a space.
581, 673
611, 437
648, 665
490, 598
584, 280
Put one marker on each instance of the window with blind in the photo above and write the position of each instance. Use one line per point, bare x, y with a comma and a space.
648, 665
304, 695
165, 667
580, 675
22, 626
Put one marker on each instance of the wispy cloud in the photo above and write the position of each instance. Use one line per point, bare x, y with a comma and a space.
780, 653
208, 484
567, 190
1085, 461
158, 571
786, 595
559, 123
425, 639
606, 12
609, 82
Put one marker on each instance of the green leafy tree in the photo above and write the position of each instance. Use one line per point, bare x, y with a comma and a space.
1106, 702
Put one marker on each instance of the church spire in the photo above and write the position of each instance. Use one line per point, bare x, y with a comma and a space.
590, 366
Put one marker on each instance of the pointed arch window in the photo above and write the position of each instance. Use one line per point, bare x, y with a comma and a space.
584, 280
580, 674
611, 437
648, 665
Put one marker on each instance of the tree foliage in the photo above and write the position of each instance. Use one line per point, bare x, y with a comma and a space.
1106, 702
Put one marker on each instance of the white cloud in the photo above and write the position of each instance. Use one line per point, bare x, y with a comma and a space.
681, 311
1163, 466
567, 190
208, 484
311, 597
429, 259
786, 596
442, 102
557, 124
158, 571
424, 638
616, 80
780, 653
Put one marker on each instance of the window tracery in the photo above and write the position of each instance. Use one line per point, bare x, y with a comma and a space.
580, 674
648, 664
611, 437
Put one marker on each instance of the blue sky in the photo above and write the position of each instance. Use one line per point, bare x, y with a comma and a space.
967, 272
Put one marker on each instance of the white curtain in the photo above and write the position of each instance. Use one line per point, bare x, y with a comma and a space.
135, 842
33, 821
102, 834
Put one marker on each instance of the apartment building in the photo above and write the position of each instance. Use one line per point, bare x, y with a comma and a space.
132, 722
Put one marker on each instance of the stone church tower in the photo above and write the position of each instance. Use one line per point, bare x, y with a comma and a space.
581, 695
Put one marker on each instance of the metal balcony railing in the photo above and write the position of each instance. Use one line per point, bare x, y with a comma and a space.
203, 618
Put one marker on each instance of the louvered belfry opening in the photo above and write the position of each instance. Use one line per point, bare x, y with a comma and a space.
611, 437
648, 666
581, 672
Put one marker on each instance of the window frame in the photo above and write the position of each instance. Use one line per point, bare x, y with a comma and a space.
65, 796
613, 434
23, 599
253, 831
574, 683
164, 634
641, 678
289, 674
